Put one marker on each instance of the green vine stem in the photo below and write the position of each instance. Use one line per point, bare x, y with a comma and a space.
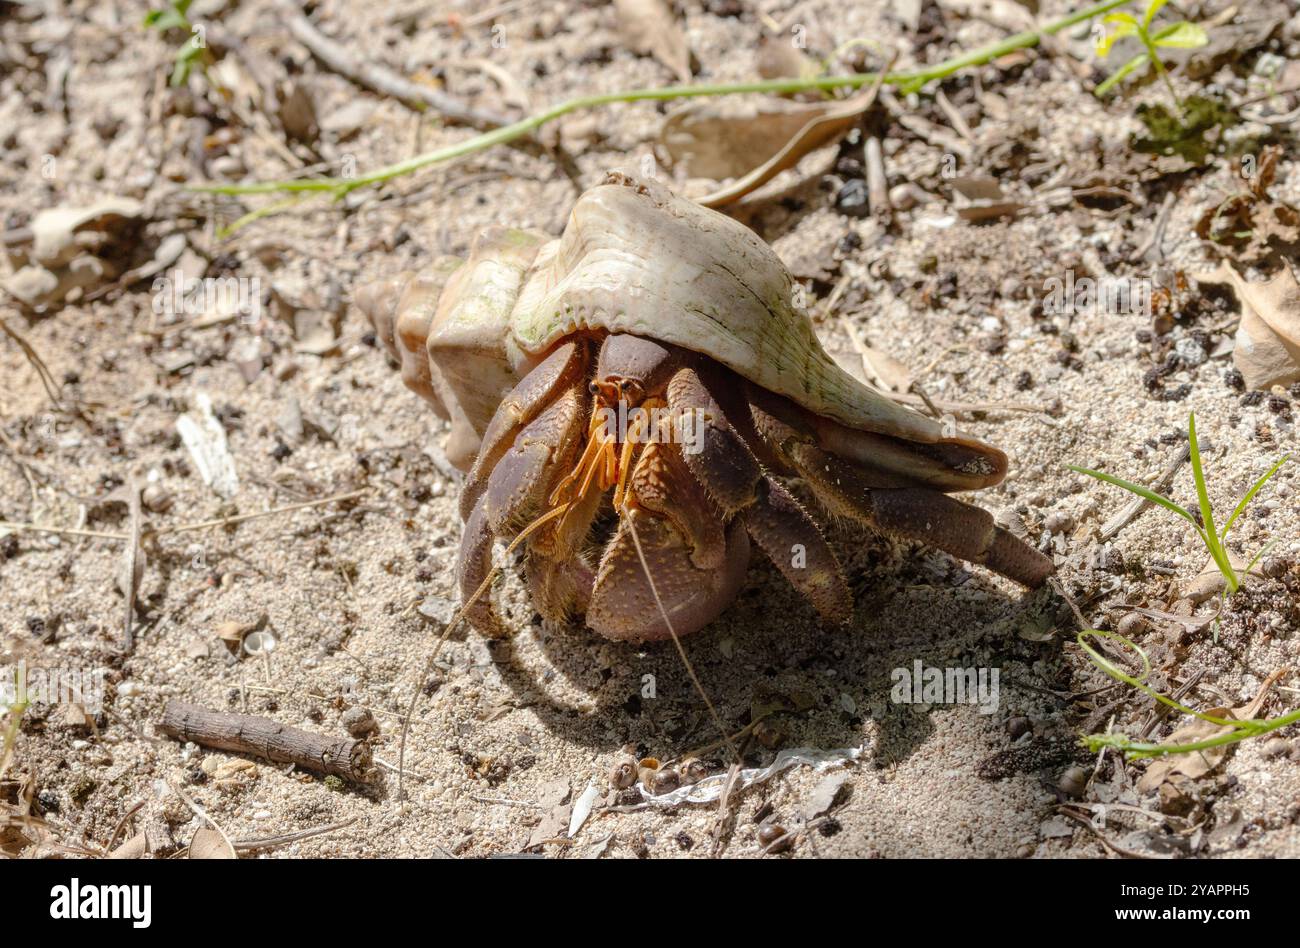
1241, 730
907, 81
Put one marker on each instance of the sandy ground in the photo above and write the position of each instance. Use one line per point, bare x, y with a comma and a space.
509, 735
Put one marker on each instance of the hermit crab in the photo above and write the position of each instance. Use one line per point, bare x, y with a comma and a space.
626, 398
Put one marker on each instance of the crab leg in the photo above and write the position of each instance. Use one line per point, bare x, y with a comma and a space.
563, 368
516, 493
919, 513
776, 522
473, 564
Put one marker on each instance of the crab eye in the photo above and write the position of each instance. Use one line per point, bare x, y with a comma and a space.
624, 385
593, 388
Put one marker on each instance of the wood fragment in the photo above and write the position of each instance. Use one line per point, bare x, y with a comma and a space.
877, 182
132, 565
379, 79
268, 739
1130, 512
272, 842
1152, 251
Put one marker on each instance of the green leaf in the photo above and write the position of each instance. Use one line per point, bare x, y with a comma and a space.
1181, 36
1241, 505
164, 20
1198, 475
1209, 535
1140, 491
1152, 9
1128, 26
1263, 552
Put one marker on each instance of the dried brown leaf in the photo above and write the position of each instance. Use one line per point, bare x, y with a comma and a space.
1199, 763
825, 124
209, 844
1267, 350
649, 27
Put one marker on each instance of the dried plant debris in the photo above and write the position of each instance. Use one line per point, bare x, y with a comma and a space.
69, 249
1197, 764
650, 27
209, 844
710, 788
1251, 225
778, 135
205, 438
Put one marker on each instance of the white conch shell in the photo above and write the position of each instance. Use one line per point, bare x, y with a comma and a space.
635, 258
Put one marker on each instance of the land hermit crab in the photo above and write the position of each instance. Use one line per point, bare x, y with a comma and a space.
624, 399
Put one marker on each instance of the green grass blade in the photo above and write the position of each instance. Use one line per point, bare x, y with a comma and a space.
1152, 9
1140, 491
1263, 552
1208, 533
1241, 506
1120, 74
1198, 475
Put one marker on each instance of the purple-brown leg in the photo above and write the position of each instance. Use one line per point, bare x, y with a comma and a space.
514, 492
733, 478
562, 369
881, 498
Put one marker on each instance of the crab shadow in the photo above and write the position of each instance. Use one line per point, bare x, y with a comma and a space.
835, 686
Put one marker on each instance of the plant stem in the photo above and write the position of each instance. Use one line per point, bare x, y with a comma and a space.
1242, 730
1154, 55
909, 81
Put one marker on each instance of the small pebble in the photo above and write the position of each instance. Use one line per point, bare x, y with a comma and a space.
663, 781
852, 198
1073, 782
1132, 624
359, 722
623, 774
1058, 521
774, 833
1277, 747
156, 498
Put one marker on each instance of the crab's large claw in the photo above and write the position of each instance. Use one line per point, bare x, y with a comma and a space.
623, 603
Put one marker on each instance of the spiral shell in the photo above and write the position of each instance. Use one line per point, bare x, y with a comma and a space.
635, 258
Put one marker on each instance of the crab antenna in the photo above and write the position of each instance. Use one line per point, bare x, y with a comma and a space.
483, 587
690, 669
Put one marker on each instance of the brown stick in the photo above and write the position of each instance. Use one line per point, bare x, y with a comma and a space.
271, 740
379, 79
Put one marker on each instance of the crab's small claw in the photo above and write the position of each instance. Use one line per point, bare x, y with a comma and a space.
563, 368
732, 476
